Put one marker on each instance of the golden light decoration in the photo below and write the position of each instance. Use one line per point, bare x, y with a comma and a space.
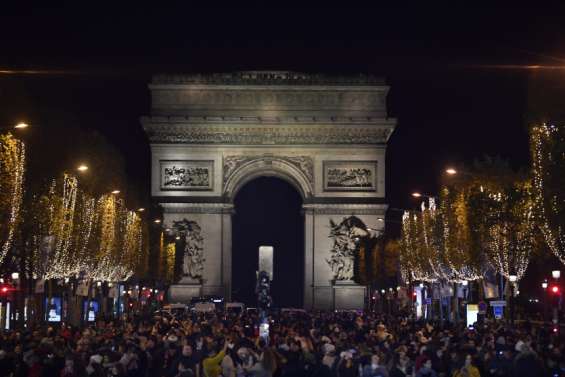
62, 227
547, 145
12, 166
170, 252
53, 221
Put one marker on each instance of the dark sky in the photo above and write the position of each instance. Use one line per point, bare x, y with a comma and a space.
458, 86
451, 101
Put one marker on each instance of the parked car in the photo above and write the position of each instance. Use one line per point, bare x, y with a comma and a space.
204, 307
235, 307
172, 310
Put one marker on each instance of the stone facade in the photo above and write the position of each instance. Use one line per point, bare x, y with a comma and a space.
324, 135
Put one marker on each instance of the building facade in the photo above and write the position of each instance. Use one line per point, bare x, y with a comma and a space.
326, 136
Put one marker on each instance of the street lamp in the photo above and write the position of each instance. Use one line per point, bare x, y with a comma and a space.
21, 125
512, 279
556, 274
116, 192
544, 286
82, 168
451, 171
141, 209
15, 275
417, 194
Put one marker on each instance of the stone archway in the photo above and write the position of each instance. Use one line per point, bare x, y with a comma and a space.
268, 212
296, 170
212, 134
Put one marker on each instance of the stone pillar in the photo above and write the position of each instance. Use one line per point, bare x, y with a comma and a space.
227, 252
308, 258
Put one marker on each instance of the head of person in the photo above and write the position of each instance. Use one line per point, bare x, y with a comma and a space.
295, 346
468, 360
427, 364
187, 350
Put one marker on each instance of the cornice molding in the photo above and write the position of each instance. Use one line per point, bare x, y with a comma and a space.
160, 131
266, 78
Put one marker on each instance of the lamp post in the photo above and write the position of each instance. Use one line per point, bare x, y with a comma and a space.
512, 279
556, 275
544, 286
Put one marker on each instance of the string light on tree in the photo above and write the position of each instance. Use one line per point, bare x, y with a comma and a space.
12, 166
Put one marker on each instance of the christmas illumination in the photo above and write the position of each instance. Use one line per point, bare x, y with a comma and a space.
12, 162
547, 145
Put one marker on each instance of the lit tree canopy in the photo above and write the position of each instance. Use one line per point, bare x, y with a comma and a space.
484, 221
12, 161
547, 145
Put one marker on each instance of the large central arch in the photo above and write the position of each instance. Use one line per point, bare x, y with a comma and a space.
213, 134
268, 212
267, 166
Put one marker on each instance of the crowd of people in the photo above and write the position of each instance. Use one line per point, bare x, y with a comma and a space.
300, 344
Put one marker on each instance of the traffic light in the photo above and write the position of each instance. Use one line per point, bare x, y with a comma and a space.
4, 289
555, 289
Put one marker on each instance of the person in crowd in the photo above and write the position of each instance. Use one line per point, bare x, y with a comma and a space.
304, 344
211, 364
468, 369
374, 369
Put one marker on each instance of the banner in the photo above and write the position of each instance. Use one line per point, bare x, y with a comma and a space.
446, 290
113, 292
490, 285
39, 286
82, 288
491, 290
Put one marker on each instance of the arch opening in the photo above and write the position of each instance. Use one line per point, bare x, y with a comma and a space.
268, 213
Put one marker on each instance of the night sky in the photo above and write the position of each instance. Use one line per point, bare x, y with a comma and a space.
460, 85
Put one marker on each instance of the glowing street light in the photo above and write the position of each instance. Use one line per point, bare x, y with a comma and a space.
82, 168
157, 221
512, 278
15, 275
544, 285
451, 171
140, 209
556, 274
116, 192
21, 125
417, 194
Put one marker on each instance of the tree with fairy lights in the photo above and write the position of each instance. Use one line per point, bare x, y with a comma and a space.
501, 215
414, 256
547, 145
12, 164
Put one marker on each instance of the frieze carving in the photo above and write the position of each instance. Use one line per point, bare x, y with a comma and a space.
271, 99
346, 209
262, 135
267, 78
216, 208
303, 163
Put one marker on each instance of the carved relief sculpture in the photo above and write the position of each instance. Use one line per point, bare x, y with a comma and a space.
193, 253
350, 176
186, 175
342, 253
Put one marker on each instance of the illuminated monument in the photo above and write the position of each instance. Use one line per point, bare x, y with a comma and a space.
326, 136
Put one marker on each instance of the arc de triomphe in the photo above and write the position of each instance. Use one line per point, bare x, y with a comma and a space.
326, 136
